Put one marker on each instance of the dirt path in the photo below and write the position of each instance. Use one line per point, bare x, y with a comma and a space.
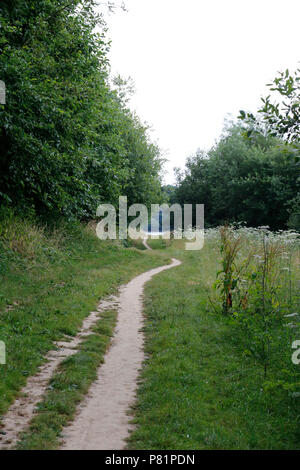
21, 411
102, 422
146, 244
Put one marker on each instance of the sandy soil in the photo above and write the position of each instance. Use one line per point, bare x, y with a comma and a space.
102, 422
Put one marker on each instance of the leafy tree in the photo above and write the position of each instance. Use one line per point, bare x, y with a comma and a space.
294, 213
241, 181
281, 119
169, 193
67, 140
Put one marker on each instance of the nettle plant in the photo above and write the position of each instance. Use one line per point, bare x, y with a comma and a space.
229, 278
256, 287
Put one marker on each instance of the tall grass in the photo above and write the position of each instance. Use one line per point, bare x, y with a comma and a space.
51, 278
258, 286
204, 385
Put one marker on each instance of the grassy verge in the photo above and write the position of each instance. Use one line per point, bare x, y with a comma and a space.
135, 244
198, 389
49, 282
68, 387
159, 243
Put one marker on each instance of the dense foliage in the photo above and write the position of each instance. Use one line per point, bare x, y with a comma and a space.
280, 114
253, 174
243, 180
67, 139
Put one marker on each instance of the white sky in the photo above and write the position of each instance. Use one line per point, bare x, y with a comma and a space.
195, 61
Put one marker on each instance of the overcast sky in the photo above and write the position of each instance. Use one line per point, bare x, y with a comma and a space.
195, 61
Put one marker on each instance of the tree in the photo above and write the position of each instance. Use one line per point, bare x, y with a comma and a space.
241, 180
281, 119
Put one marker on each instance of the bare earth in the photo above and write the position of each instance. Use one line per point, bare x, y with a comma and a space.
102, 422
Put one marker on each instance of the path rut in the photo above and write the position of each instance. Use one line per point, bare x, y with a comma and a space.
102, 422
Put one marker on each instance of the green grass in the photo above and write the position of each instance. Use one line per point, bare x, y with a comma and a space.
50, 280
158, 243
68, 387
130, 243
198, 390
